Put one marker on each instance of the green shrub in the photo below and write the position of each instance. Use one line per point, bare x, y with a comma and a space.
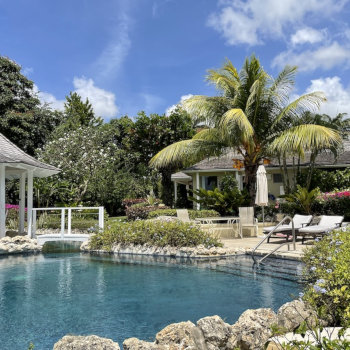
327, 181
337, 203
193, 214
157, 233
303, 199
327, 271
224, 202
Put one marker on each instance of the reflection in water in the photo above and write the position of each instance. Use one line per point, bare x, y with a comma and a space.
43, 297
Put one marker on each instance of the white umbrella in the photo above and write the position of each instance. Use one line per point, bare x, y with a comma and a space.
262, 196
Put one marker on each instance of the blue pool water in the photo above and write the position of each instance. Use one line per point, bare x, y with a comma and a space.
44, 297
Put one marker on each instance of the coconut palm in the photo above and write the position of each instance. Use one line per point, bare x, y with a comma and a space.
253, 116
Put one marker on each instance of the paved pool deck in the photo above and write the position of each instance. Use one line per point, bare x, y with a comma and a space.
248, 243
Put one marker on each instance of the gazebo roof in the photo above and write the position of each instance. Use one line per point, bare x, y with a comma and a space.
17, 160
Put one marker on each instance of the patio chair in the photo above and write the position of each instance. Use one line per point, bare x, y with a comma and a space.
299, 221
247, 219
326, 224
182, 215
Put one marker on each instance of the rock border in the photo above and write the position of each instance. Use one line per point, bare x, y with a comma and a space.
19, 245
251, 332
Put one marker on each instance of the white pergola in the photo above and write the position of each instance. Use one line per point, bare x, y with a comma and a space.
16, 164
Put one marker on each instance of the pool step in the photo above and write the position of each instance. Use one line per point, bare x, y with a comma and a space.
279, 272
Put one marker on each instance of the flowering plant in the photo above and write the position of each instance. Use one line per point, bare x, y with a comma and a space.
327, 271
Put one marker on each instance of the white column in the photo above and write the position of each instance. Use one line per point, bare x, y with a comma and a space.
30, 202
22, 202
239, 180
2, 201
175, 192
197, 188
101, 217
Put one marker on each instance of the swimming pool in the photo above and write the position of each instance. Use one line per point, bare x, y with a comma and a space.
47, 296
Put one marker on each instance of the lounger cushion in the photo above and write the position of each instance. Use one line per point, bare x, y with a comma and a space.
316, 229
282, 228
299, 221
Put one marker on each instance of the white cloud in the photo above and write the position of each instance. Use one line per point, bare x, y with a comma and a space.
172, 108
102, 101
113, 56
253, 20
308, 35
47, 98
324, 57
338, 96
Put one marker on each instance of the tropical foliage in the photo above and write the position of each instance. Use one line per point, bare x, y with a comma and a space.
252, 116
193, 214
155, 233
303, 199
327, 270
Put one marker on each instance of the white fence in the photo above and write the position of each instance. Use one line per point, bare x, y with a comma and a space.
32, 222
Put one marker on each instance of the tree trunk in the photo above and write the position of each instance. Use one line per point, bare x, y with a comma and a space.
250, 180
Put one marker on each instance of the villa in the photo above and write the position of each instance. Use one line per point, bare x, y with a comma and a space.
207, 173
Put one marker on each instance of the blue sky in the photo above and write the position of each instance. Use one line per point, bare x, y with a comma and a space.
132, 55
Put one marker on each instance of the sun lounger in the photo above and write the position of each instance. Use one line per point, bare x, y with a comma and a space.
327, 223
282, 231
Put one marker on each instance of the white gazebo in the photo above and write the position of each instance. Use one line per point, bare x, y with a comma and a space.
16, 164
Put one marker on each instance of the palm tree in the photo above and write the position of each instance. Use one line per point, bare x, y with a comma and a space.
253, 116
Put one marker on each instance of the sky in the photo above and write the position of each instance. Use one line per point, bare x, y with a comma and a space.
133, 55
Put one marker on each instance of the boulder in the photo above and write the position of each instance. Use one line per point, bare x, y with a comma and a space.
292, 314
252, 330
215, 331
136, 344
90, 342
181, 336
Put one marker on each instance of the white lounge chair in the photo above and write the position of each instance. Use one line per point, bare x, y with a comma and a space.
247, 219
327, 223
299, 221
182, 215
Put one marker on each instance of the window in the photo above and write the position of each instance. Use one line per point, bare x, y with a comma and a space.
211, 182
277, 178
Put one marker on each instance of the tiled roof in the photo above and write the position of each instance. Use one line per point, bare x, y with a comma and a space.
11, 154
323, 160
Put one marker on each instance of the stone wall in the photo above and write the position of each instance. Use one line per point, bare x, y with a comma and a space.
182, 252
251, 331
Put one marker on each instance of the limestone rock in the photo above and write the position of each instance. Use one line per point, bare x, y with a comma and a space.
91, 342
18, 244
252, 330
292, 314
216, 332
181, 336
136, 344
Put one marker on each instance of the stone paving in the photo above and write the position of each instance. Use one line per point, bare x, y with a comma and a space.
248, 243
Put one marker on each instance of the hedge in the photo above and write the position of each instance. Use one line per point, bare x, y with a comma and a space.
193, 214
157, 233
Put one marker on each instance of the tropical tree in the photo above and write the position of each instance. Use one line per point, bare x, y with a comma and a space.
252, 116
23, 119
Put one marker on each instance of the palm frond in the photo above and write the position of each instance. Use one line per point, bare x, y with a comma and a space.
307, 102
184, 153
205, 109
236, 118
307, 137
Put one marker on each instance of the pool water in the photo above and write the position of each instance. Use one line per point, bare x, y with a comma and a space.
44, 297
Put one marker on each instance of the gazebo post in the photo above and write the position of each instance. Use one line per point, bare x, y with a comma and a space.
2, 201
30, 202
22, 201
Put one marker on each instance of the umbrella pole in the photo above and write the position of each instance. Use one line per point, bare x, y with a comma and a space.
263, 216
